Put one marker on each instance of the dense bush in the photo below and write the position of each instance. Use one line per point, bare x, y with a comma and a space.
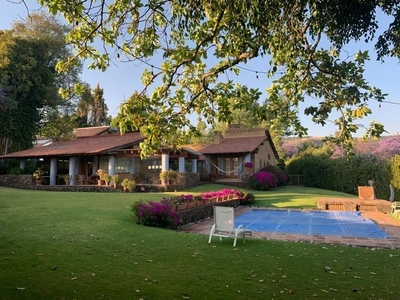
342, 174
262, 181
156, 214
280, 174
248, 199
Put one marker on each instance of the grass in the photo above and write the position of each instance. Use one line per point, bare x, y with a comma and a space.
61, 245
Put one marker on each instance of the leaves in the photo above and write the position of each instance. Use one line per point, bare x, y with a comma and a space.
287, 34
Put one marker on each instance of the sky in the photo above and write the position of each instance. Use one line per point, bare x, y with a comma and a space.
120, 80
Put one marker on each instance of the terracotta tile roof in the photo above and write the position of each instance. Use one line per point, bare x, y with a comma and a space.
90, 131
235, 145
98, 144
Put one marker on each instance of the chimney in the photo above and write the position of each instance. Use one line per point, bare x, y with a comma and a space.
217, 137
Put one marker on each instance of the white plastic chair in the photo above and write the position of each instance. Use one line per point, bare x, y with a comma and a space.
224, 225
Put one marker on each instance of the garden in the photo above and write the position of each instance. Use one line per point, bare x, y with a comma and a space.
66, 245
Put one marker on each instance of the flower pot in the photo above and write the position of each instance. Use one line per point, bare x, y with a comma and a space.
248, 170
38, 181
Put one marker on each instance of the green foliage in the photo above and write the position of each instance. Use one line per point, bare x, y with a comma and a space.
131, 184
286, 33
247, 199
38, 174
58, 128
115, 178
16, 170
28, 54
125, 182
395, 171
342, 174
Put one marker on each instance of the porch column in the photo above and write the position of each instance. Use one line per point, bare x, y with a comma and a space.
241, 168
77, 162
220, 164
95, 165
72, 171
111, 165
164, 162
53, 171
132, 169
194, 165
181, 165
208, 164
22, 164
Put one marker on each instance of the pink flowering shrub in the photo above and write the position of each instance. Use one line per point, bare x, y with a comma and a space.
280, 175
262, 181
156, 214
179, 199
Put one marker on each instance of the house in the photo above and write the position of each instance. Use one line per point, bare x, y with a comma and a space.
103, 148
227, 155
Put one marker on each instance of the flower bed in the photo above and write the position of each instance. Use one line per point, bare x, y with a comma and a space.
183, 209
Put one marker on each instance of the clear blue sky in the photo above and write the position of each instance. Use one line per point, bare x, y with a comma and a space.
122, 79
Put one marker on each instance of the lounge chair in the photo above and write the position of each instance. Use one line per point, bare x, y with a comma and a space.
224, 225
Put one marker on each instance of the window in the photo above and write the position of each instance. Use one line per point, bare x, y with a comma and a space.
122, 165
103, 163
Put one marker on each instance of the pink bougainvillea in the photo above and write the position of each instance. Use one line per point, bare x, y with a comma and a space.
262, 181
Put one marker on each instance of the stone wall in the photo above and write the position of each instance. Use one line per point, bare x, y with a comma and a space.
17, 180
186, 180
194, 215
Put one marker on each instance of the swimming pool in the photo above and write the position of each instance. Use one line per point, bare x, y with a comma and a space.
334, 223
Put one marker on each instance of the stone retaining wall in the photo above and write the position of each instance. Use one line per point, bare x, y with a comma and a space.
25, 181
194, 215
354, 204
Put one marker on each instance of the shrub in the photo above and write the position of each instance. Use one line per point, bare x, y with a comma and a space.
131, 185
280, 175
248, 199
125, 182
262, 181
155, 214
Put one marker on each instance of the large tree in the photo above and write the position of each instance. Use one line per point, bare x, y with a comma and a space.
28, 56
200, 40
91, 108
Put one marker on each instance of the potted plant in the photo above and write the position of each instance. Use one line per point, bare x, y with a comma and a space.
164, 177
125, 183
67, 179
173, 176
38, 175
131, 185
100, 173
248, 166
115, 180
107, 178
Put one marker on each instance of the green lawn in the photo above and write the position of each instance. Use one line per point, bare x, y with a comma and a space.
61, 245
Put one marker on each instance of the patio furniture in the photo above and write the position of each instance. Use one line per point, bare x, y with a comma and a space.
224, 225
395, 208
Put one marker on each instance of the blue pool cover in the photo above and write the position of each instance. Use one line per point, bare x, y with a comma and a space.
335, 223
